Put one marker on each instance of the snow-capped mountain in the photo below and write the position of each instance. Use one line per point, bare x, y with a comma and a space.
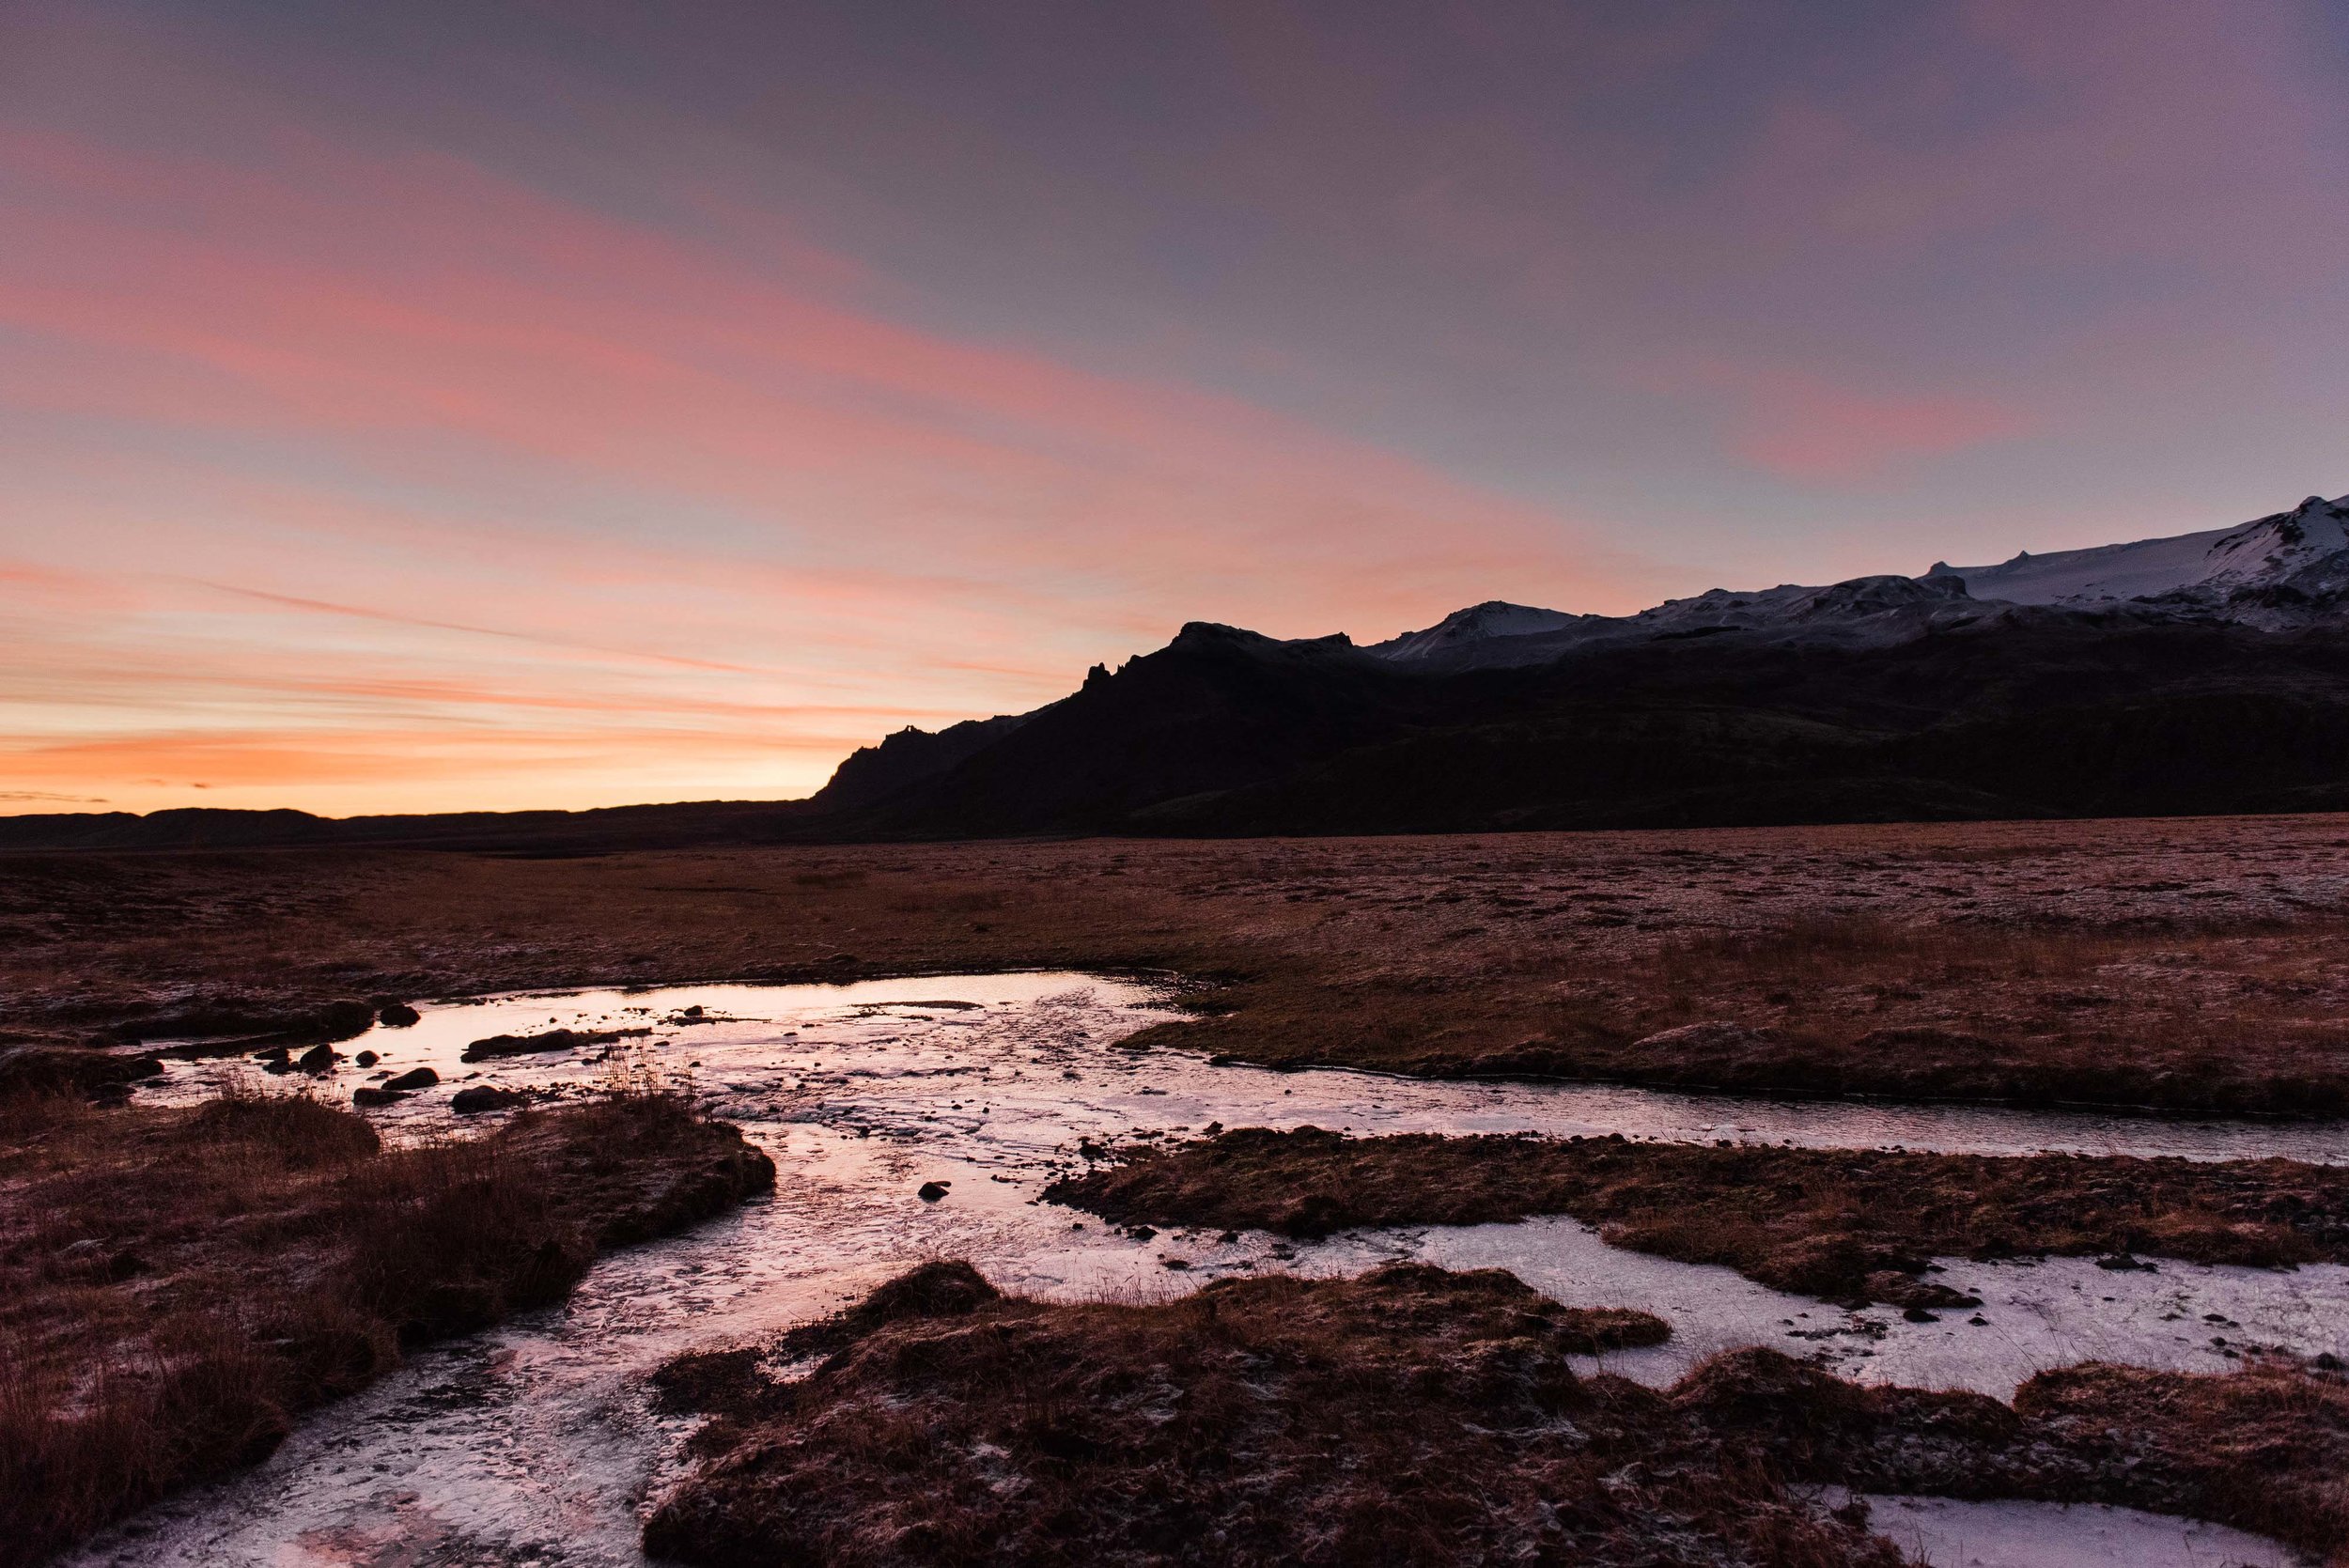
2274, 572
2305, 551
1476, 624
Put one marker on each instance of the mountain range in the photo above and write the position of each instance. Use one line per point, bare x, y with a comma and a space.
2197, 674
2202, 673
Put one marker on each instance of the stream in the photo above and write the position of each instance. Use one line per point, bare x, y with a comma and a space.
533, 1444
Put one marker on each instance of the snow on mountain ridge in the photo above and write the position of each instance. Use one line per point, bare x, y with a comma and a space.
1493, 618
2252, 572
2301, 548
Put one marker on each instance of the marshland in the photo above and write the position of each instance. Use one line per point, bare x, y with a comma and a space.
1696, 1088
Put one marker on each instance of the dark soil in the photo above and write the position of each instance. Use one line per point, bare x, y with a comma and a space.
1410, 1416
1850, 1225
177, 1285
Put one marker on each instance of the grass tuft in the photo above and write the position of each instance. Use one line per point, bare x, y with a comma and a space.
177, 1286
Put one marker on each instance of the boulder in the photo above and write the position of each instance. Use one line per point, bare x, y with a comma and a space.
483, 1096
415, 1078
546, 1040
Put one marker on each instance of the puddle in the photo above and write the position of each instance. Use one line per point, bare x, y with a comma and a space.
532, 1444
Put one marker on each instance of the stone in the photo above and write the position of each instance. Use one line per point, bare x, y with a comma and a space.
484, 1096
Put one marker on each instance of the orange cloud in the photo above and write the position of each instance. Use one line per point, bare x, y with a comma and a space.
461, 491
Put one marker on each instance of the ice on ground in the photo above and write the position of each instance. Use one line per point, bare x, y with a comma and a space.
1947, 1533
535, 1444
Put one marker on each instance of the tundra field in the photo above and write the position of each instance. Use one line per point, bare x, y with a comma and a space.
2185, 965
185, 1281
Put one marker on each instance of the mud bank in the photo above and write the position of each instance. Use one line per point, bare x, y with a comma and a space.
178, 1285
1847, 1225
1409, 1416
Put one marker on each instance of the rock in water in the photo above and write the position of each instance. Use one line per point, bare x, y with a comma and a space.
483, 1096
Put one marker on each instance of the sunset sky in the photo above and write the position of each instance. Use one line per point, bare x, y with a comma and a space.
423, 406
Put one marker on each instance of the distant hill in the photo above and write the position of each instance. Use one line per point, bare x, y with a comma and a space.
517, 833
2203, 673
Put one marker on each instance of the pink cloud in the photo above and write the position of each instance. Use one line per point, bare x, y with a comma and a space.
582, 343
893, 525
1801, 428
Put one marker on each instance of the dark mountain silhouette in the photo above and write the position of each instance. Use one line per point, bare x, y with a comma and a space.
2032, 713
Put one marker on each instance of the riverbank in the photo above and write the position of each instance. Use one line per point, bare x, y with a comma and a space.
177, 1285
1410, 1415
1848, 1225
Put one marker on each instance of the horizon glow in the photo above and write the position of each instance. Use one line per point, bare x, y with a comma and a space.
486, 406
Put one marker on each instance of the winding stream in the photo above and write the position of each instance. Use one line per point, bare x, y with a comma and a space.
533, 1444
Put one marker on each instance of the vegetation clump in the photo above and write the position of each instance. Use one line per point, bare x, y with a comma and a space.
1411, 1415
1852, 1225
177, 1285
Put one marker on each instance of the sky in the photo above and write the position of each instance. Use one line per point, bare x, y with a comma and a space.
566, 403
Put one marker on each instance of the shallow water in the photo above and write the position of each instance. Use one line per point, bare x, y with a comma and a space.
1951, 1534
532, 1444
764, 1042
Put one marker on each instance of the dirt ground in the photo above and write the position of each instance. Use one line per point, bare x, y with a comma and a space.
2187, 964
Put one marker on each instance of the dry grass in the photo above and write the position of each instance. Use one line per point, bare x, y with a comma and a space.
177, 1285
1408, 1417
2264, 1449
2178, 965
1850, 1225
